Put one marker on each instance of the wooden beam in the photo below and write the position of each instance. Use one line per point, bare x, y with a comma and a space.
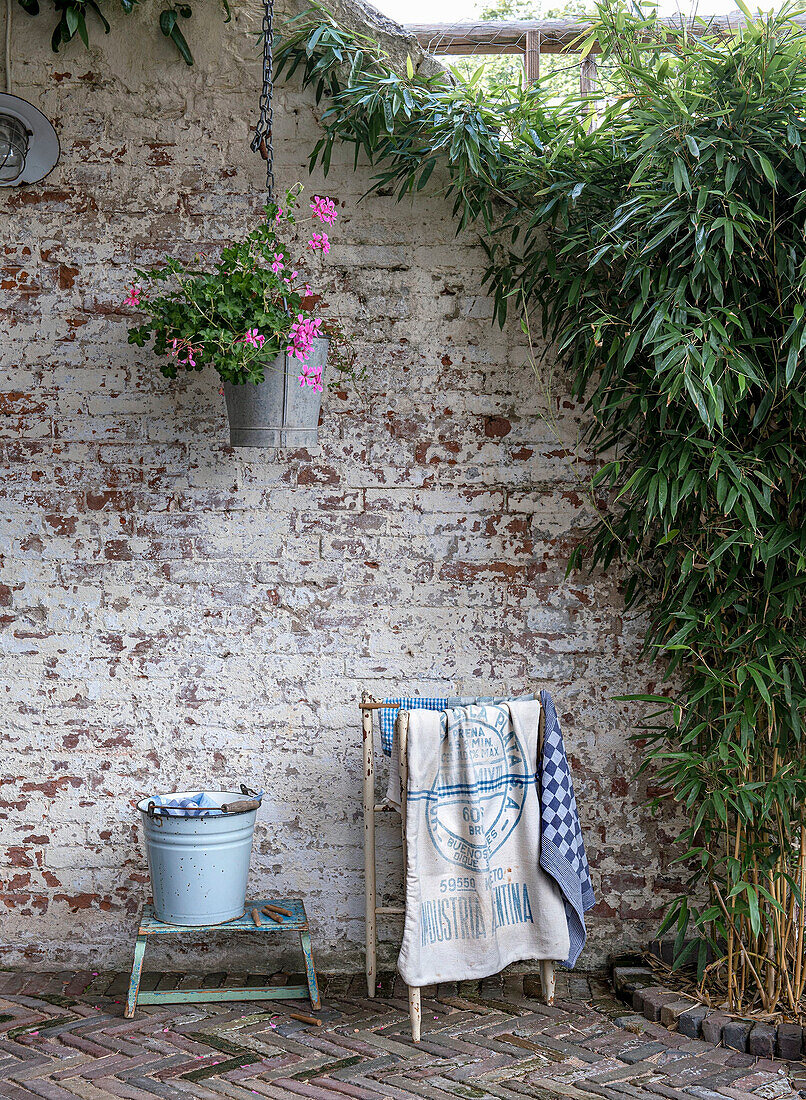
587, 75
495, 36
556, 35
531, 58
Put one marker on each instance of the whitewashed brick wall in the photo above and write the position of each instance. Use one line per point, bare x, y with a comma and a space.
177, 613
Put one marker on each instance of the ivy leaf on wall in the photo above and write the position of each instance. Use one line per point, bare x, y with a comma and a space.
72, 21
169, 26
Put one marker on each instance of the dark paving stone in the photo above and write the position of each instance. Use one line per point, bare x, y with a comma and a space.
789, 1042
712, 1027
626, 979
641, 1052
652, 1000
735, 1034
670, 1011
689, 1023
737, 1059
762, 1040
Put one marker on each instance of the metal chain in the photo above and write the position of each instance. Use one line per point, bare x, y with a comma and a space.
262, 139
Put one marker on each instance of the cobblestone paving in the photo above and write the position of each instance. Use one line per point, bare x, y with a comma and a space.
63, 1036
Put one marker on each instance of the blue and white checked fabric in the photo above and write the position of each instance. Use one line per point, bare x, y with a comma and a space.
562, 849
388, 714
193, 805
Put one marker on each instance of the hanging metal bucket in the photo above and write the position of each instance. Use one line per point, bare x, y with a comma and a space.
277, 412
199, 865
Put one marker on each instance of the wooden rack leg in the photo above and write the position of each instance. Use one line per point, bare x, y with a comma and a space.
369, 851
137, 969
547, 971
415, 1008
415, 1012
547, 979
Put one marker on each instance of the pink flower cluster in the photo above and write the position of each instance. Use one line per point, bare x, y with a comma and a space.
311, 376
253, 337
135, 294
278, 264
319, 241
324, 209
302, 335
184, 347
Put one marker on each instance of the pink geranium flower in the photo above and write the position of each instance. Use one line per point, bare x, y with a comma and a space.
311, 376
135, 294
319, 242
278, 264
301, 336
324, 209
184, 352
254, 338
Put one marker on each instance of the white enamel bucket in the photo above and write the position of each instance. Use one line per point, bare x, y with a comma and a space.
199, 865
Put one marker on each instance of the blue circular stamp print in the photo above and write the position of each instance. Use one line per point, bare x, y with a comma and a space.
478, 794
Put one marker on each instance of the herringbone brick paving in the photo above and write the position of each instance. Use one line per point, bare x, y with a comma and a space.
63, 1036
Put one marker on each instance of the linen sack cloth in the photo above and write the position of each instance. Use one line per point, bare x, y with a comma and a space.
388, 717
476, 896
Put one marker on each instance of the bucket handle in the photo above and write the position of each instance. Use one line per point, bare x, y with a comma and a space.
250, 802
151, 810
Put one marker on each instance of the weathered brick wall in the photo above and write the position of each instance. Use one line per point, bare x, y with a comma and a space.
177, 613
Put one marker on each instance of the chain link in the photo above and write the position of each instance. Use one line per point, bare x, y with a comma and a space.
262, 139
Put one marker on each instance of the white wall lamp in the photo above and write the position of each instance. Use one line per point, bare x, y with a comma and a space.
29, 147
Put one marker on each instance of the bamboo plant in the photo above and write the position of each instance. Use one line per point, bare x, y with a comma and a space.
664, 250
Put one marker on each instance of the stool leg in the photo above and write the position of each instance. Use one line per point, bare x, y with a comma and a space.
415, 1012
313, 985
547, 977
137, 968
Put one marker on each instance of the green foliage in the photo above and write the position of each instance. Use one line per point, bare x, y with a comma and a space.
72, 20
664, 250
236, 317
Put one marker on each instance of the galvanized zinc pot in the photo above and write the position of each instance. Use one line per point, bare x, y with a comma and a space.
277, 412
199, 865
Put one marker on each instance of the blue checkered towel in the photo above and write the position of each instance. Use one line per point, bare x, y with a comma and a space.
388, 714
562, 850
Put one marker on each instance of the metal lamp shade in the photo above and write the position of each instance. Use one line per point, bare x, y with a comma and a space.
29, 147
13, 149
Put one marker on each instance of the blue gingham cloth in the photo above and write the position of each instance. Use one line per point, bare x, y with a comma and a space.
194, 805
562, 850
388, 714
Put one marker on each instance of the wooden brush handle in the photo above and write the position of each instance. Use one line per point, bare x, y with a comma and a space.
241, 806
305, 1019
276, 909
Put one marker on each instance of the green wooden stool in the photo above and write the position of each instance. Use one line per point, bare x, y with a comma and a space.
297, 922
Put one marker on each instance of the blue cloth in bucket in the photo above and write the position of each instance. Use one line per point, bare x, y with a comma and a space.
194, 805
